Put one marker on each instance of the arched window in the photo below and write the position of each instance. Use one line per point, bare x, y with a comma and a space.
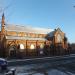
32, 46
21, 46
59, 38
42, 46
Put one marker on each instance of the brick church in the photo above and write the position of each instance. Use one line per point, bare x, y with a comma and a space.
26, 40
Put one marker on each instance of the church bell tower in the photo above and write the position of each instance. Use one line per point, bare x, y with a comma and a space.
2, 28
3, 25
2, 38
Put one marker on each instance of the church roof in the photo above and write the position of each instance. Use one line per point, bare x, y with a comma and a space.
19, 28
23, 38
51, 34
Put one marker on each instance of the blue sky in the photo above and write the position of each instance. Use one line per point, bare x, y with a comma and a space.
42, 13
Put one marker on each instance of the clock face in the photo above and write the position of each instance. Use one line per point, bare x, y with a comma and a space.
59, 38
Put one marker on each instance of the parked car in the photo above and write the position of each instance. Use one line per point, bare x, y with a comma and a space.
3, 64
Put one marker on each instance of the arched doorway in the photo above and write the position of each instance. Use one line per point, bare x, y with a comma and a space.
12, 51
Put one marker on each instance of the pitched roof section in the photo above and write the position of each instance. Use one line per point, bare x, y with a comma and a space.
23, 38
51, 34
19, 28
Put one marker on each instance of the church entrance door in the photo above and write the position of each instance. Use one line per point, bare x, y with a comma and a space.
12, 51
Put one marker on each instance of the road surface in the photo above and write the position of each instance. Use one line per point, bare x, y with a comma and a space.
45, 66
57, 65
